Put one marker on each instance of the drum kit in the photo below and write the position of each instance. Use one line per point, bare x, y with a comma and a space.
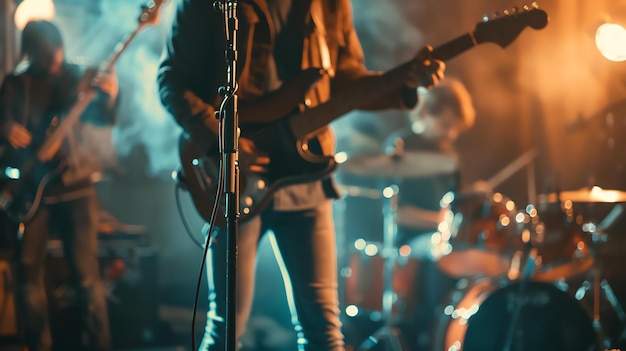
518, 270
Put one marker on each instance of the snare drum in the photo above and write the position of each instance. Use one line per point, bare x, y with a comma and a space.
479, 318
478, 235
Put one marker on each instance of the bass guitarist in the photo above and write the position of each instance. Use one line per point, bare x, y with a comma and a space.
277, 41
32, 100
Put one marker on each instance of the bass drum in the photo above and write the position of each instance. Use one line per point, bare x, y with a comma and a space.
479, 317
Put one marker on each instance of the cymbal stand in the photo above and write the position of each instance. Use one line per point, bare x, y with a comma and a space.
601, 287
529, 255
386, 332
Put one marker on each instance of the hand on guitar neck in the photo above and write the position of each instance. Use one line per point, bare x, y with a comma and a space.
425, 70
106, 81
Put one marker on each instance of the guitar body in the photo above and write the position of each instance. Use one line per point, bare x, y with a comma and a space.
23, 181
291, 162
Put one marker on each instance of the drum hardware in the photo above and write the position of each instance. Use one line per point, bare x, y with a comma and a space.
609, 295
518, 302
526, 159
528, 254
595, 284
515, 315
389, 253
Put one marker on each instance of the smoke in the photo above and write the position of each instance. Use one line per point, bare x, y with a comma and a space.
144, 128
146, 124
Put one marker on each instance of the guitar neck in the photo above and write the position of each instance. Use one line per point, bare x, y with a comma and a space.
310, 121
119, 49
72, 117
454, 47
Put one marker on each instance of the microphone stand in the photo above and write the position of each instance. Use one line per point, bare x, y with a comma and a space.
229, 123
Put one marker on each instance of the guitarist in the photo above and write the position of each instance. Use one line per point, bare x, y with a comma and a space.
46, 85
277, 39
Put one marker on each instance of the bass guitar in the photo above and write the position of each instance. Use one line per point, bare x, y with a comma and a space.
24, 173
288, 127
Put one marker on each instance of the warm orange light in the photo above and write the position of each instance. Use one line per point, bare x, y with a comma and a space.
611, 41
29, 10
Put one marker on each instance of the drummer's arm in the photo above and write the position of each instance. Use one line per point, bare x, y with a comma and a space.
418, 218
479, 186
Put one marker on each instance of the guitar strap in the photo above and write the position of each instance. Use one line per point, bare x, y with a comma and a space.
317, 14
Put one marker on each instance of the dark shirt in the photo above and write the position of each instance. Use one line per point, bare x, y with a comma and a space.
424, 192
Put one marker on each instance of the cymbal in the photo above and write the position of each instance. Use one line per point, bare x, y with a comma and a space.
406, 165
594, 194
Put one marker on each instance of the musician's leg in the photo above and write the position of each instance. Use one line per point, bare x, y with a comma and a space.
78, 225
306, 240
247, 242
32, 292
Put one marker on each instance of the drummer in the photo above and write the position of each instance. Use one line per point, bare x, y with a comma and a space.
443, 113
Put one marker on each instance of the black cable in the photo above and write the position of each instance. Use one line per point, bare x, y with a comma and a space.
218, 197
206, 250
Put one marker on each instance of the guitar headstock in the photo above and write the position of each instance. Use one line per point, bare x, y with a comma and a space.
151, 12
503, 28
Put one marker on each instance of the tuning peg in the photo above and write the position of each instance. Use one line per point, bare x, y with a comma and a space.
218, 6
515, 10
485, 17
505, 12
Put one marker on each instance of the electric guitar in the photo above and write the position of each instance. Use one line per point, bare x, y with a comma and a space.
287, 128
24, 173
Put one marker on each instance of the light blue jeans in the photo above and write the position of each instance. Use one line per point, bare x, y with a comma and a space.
306, 240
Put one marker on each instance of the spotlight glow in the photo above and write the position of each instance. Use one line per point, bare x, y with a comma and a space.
29, 10
352, 311
341, 157
611, 41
